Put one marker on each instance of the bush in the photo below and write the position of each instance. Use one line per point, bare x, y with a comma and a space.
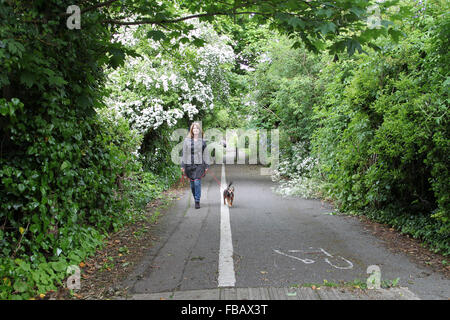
423, 227
296, 173
383, 136
60, 200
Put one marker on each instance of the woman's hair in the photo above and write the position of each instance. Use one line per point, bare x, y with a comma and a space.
191, 133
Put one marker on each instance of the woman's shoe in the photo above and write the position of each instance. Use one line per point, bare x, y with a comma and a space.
197, 205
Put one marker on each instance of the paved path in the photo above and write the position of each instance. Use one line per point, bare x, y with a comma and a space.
270, 293
266, 241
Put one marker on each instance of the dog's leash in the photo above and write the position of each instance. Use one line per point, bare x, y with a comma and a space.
220, 185
183, 176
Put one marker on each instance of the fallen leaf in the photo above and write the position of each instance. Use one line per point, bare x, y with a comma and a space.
263, 272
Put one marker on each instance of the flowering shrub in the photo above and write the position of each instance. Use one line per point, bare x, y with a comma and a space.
161, 87
296, 175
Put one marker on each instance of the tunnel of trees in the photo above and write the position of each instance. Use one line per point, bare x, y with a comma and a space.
358, 89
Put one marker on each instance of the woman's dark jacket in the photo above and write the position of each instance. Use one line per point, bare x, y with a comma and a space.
195, 160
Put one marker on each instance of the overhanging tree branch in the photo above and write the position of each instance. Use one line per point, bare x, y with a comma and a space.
169, 21
98, 5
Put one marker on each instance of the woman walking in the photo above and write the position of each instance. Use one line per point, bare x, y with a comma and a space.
195, 162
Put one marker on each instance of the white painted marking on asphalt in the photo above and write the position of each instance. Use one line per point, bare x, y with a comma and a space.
328, 261
350, 265
226, 265
326, 253
307, 261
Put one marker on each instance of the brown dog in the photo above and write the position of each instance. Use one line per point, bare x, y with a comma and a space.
228, 195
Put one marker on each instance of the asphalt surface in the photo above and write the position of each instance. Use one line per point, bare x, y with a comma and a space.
276, 293
277, 243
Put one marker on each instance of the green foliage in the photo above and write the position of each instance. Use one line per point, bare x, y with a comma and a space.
24, 278
65, 163
354, 284
283, 90
52, 240
383, 136
376, 123
432, 232
318, 25
71, 171
143, 188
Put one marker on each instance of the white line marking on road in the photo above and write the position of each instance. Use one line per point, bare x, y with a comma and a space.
350, 265
328, 261
307, 261
226, 265
326, 253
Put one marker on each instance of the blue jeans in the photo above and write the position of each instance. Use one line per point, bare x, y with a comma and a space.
196, 187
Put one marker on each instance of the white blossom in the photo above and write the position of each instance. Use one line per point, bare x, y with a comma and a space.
138, 87
299, 180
